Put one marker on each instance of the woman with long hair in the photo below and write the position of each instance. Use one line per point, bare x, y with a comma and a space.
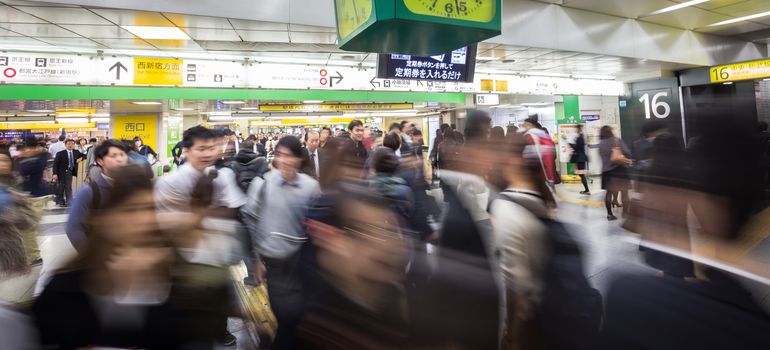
122, 291
615, 179
580, 158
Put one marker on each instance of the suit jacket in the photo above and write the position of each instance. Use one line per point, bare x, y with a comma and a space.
308, 167
61, 162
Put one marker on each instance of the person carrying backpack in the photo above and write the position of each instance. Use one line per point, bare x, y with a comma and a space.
247, 165
549, 303
110, 156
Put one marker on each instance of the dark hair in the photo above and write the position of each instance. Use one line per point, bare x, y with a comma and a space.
606, 133
416, 132
652, 126
511, 130
130, 179
128, 145
137, 138
392, 141
762, 126
478, 126
62, 137
196, 133
102, 150
202, 195
354, 123
327, 129
395, 126
93, 139
69, 140
384, 161
403, 123
292, 143
497, 134
443, 127
514, 147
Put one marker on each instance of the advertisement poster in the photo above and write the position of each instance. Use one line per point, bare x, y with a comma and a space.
567, 134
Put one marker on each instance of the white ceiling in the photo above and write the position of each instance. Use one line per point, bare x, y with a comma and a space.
696, 17
42, 26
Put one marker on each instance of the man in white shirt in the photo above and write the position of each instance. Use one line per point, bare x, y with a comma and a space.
57, 147
311, 155
173, 192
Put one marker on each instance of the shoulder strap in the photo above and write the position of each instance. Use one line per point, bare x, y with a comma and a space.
96, 195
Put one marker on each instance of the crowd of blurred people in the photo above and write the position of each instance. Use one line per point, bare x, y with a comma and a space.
358, 252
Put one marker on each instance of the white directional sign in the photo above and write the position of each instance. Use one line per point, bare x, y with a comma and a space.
32, 68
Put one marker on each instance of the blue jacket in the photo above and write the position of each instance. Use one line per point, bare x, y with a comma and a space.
80, 210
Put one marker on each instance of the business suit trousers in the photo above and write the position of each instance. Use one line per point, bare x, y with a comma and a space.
64, 190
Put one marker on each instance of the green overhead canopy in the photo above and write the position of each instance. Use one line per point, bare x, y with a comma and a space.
53, 92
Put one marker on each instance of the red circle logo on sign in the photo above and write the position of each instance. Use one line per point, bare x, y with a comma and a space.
323, 72
323, 81
9, 72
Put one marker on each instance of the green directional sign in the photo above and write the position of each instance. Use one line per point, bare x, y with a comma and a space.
415, 27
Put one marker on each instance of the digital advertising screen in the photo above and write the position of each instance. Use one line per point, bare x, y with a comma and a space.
458, 66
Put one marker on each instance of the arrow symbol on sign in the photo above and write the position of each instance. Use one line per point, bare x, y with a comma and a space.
117, 67
374, 82
338, 77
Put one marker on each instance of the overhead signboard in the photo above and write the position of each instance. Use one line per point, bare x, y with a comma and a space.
131, 71
334, 107
759, 69
457, 66
302, 121
651, 100
441, 25
487, 99
130, 126
157, 71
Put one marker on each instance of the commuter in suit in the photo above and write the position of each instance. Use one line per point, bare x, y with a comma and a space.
311, 155
65, 166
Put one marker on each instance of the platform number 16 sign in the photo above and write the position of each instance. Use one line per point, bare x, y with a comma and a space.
660, 109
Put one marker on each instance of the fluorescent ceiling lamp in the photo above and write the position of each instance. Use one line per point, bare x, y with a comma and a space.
728, 83
72, 120
546, 74
30, 121
41, 111
249, 108
100, 120
218, 113
676, 7
185, 109
153, 32
221, 117
146, 103
537, 104
593, 76
740, 19
233, 102
311, 102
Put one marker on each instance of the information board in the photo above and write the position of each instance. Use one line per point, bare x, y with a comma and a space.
740, 71
456, 66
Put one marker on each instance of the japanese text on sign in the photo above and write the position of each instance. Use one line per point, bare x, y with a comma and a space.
157, 71
740, 71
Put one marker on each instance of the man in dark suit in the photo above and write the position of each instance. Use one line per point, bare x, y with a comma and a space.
65, 166
311, 155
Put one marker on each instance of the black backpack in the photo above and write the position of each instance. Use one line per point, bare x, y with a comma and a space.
570, 313
244, 174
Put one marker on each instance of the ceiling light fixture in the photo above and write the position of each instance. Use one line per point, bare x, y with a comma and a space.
233, 102
161, 33
220, 117
146, 103
72, 120
728, 83
310, 102
740, 19
249, 108
593, 76
184, 109
675, 7
41, 111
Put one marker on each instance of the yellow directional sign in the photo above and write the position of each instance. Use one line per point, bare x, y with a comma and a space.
740, 71
334, 107
157, 71
302, 121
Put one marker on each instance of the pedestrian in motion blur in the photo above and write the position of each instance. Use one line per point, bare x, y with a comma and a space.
615, 162
580, 158
65, 167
